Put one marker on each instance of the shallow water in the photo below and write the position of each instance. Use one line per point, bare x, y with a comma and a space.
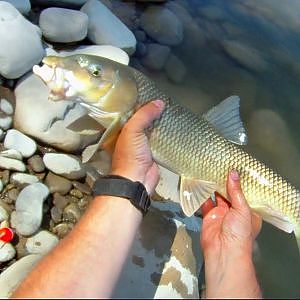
251, 49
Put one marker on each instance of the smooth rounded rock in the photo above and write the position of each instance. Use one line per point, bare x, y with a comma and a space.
162, 25
11, 153
36, 163
3, 214
23, 179
63, 25
14, 274
5, 122
41, 243
22, 6
6, 106
58, 184
7, 251
16, 140
51, 119
12, 164
16, 56
29, 208
156, 56
106, 29
71, 213
68, 166
1, 186
175, 69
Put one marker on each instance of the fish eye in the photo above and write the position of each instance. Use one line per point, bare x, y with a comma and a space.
95, 70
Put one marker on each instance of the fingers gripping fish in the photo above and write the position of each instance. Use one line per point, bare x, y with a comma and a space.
198, 150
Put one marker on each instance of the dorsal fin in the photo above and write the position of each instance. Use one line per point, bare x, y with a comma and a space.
225, 118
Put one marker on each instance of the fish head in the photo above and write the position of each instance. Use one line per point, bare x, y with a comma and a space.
92, 80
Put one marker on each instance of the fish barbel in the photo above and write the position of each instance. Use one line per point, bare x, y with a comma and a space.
199, 150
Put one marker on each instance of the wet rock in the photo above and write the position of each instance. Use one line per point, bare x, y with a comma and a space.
141, 49
62, 229
82, 187
245, 55
16, 140
12, 153
56, 214
175, 69
13, 194
29, 208
41, 243
71, 213
68, 166
140, 35
14, 274
51, 119
23, 6
17, 58
21, 247
63, 25
7, 251
58, 184
5, 177
21, 179
12, 164
76, 3
106, 28
6, 106
60, 201
36, 163
3, 214
5, 122
156, 56
76, 193
162, 25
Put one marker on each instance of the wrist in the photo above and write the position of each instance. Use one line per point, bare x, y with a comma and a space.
130, 174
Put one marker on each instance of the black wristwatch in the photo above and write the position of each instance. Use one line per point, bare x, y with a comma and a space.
114, 185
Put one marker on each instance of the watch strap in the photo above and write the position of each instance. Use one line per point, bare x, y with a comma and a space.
114, 185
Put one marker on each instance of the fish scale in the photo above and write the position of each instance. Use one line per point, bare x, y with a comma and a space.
198, 151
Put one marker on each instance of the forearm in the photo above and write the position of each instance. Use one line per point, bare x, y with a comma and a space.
88, 261
231, 276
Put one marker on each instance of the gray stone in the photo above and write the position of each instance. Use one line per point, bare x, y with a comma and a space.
41, 243
175, 69
59, 2
36, 163
29, 208
14, 274
63, 25
60, 201
7, 251
58, 184
83, 187
3, 214
156, 56
12, 153
21, 179
56, 214
13, 194
51, 119
106, 28
68, 166
5, 177
23, 6
162, 25
140, 35
76, 193
71, 213
16, 140
2, 134
5, 122
12, 164
1, 186
6, 106
16, 56
62, 229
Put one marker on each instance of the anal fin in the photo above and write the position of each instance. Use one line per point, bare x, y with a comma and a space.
193, 193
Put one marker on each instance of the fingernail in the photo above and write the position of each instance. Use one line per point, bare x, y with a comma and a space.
159, 103
234, 175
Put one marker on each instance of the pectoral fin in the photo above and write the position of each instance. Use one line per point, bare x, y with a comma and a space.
86, 125
274, 217
193, 193
225, 118
106, 142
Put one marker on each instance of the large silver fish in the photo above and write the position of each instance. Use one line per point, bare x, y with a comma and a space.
200, 150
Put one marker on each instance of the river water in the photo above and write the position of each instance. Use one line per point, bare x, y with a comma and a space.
250, 49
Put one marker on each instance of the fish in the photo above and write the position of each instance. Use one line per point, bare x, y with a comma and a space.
195, 153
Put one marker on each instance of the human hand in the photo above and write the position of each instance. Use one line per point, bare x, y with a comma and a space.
132, 157
228, 232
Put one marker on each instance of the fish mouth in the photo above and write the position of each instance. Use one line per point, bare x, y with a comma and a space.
55, 79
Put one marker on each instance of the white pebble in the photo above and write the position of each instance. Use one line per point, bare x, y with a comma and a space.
1, 186
7, 251
6, 122
12, 164
11, 153
2, 134
4, 224
17, 140
23, 178
6, 106
41, 243
3, 214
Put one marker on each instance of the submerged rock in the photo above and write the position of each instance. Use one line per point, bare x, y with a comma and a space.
58, 184
156, 56
16, 56
63, 25
23, 6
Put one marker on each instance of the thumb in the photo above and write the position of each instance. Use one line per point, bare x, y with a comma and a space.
235, 194
145, 116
